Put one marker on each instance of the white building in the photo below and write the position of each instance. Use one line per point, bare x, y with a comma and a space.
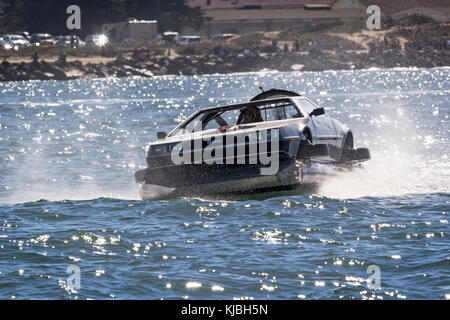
142, 31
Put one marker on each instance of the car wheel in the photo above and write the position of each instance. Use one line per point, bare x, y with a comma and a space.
308, 135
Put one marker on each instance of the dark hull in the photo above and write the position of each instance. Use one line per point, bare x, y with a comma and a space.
200, 180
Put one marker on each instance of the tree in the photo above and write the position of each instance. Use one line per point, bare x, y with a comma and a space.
171, 14
50, 15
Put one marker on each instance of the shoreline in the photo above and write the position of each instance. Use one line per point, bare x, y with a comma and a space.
205, 64
410, 42
411, 68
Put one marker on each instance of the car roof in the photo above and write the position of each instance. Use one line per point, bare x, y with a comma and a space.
274, 93
241, 105
190, 37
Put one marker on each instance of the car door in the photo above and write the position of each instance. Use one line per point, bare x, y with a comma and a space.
323, 124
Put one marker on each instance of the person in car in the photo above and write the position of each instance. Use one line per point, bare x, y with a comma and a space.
250, 115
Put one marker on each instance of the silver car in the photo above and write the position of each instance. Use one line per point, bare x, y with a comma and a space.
260, 145
16, 40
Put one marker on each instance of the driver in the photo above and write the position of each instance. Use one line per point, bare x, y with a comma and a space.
250, 115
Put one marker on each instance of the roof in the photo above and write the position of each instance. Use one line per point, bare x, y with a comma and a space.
274, 93
283, 14
220, 4
390, 7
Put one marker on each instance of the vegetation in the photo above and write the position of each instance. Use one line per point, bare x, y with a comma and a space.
50, 15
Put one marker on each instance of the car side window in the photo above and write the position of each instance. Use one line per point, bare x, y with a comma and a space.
307, 106
292, 112
274, 114
283, 111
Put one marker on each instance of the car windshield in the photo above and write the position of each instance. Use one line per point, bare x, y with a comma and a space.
245, 114
14, 37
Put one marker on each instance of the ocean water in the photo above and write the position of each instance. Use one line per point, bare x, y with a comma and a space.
72, 225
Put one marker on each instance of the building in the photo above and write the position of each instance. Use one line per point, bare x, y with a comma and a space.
142, 31
242, 16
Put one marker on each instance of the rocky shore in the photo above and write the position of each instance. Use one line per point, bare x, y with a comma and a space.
414, 42
226, 63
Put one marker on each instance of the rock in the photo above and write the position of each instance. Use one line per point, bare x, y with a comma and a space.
75, 64
74, 74
58, 73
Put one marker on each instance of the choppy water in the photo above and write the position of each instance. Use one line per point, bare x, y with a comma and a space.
68, 151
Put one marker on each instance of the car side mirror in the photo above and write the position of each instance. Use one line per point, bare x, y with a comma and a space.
317, 112
161, 135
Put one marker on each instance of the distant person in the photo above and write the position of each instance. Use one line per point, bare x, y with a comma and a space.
217, 50
120, 58
274, 45
286, 48
372, 48
313, 46
62, 58
135, 54
297, 43
35, 58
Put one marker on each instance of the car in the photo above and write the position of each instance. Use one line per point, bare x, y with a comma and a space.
24, 34
225, 149
5, 45
69, 41
158, 40
63, 41
222, 37
76, 42
17, 41
185, 40
97, 39
42, 39
170, 37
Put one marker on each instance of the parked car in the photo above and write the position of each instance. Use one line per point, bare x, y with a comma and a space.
69, 41
42, 39
24, 34
78, 42
97, 39
170, 37
5, 45
185, 40
63, 41
221, 37
16, 40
